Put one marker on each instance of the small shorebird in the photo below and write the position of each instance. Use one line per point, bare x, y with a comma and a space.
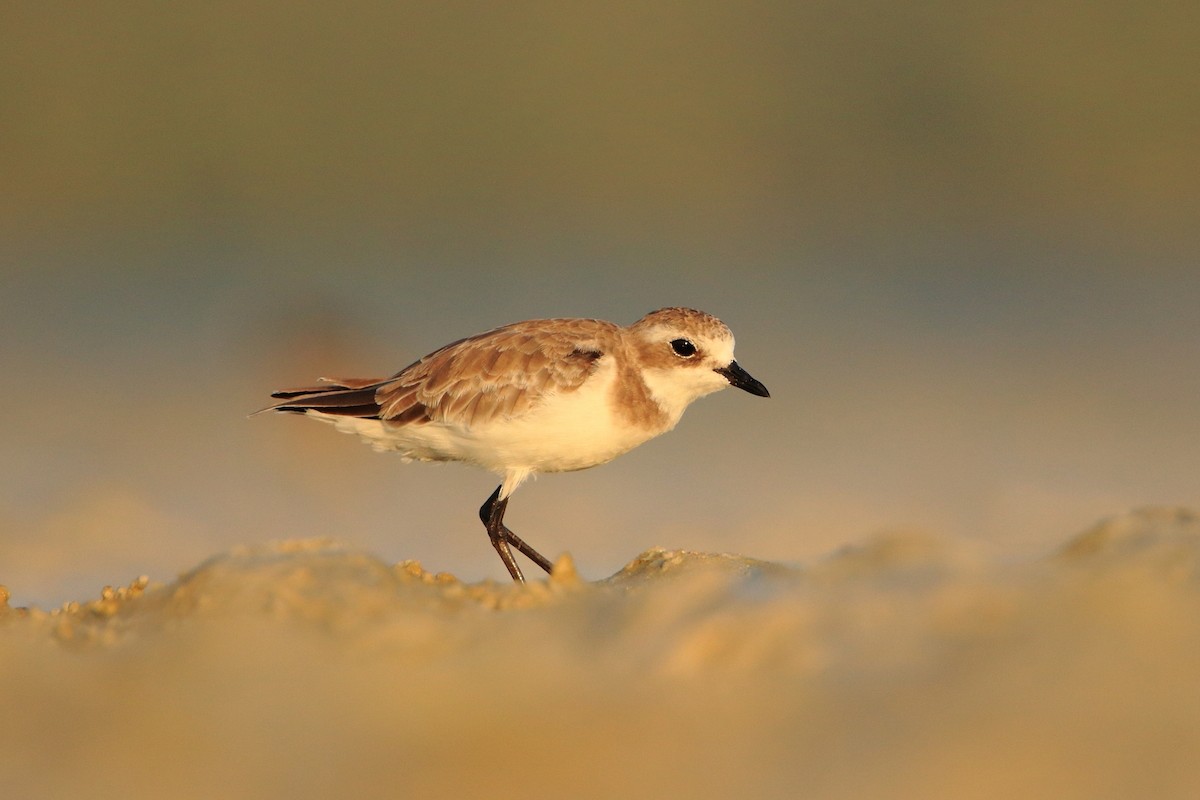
546, 395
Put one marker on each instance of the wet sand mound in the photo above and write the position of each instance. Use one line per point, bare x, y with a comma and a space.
906, 667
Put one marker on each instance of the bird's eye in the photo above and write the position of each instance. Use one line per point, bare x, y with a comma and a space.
683, 348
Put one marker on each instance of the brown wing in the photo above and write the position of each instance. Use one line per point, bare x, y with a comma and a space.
500, 373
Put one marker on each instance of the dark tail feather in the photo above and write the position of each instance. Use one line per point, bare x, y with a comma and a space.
363, 411
335, 399
329, 385
348, 398
287, 393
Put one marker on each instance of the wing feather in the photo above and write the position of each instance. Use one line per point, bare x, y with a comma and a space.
502, 373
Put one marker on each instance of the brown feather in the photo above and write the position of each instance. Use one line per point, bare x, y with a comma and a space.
504, 372
521, 364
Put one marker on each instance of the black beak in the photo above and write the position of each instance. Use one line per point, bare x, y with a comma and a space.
741, 379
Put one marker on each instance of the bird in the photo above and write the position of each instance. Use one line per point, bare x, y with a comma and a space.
539, 396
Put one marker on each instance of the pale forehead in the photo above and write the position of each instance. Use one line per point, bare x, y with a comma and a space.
685, 321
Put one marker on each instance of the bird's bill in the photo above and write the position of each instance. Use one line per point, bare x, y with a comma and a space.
743, 380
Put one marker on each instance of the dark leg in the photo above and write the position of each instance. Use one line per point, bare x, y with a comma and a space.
492, 515
529, 552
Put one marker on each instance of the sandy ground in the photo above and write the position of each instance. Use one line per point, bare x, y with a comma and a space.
907, 667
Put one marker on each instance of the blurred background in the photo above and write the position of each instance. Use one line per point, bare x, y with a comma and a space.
958, 242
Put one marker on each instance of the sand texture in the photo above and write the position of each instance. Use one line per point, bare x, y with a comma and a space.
906, 667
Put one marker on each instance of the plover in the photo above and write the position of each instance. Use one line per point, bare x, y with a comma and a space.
545, 395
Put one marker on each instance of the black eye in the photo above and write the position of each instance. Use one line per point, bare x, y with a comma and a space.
683, 347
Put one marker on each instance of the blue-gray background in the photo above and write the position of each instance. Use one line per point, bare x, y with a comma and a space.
958, 242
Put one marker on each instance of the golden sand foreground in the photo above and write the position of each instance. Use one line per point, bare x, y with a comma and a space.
908, 667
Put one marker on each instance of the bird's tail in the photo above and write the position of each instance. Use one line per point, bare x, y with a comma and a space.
343, 397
